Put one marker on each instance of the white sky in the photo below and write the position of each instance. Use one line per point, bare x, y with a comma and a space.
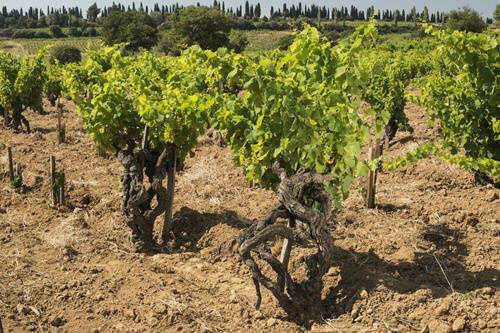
484, 7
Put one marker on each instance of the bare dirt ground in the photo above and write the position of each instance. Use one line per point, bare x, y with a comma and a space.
426, 259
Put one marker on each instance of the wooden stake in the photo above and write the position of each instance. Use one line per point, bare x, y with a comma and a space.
373, 153
19, 173
11, 164
370, 197
144, 144
60, 127
172, 165
53, 179
62, 189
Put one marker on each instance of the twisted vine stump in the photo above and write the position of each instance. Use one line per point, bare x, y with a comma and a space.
375, 152
390, 131
18, 119
138, 198
301, 300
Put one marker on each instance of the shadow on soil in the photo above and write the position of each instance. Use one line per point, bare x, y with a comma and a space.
189, 226
367, 270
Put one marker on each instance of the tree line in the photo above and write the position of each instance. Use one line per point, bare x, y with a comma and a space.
36, 17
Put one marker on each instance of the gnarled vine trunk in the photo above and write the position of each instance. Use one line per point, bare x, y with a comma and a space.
301, 300
18, 119
390, 131
137, 197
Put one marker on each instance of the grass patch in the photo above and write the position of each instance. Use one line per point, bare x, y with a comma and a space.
260, 41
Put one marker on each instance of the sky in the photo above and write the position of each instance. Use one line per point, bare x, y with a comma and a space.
484, 7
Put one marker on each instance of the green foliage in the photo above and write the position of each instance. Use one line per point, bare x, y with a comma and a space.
238, 41
75, 32
53, 84
21, 81
485, 165
56, 31
385, 76
332, 35
466, 19
171, 43
118, 96
17, 182
135, 28
65, 54
298, 108
285, 41
58, 180
92, 12
207, 27
464, 98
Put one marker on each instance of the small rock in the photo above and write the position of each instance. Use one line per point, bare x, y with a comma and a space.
233, 298
441, 310
129, 313
271, 322
363, 293
160, 309
458, 325
481, 324
57, 321
438, 326
257, 314
23, 309
493, 196
35, 310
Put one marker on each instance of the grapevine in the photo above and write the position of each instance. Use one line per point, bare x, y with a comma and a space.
21, 84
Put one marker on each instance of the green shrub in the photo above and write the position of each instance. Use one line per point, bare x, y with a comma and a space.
23, 33
466, 19
135, 28
42, 34
238, 41
92, 32
65, 54
285, 41
207, 27
8, 32
171, 43
75, 32
56, 31
333, 36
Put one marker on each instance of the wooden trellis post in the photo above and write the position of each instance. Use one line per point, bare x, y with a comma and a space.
11, 164
373, 153
57, 183
61, 129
